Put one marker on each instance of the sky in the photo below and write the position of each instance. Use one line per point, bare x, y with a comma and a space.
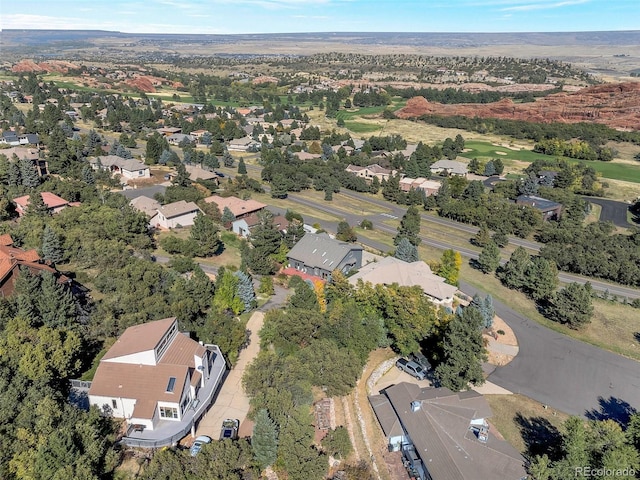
289, 16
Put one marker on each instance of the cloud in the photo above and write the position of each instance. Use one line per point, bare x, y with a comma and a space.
28, 21
542, 6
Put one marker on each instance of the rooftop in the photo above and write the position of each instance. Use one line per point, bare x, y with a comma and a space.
129, 164
51, 200
178, 208
320, 250
139, 338
237, 206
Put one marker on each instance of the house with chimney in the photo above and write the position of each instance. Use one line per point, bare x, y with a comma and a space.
127, 168
444, 435
158, 380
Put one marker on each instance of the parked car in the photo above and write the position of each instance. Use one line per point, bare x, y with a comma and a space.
197, 445
412, 368
230, 429
421, 360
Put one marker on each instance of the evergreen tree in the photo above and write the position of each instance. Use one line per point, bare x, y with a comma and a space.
462, 352
227, 159
56, 306
14, 178
182, 178
572, 305
328, 194
28, 175
242, 168
36, 206
87, 175
246, 291
265, 239
51, 246
205, 234
489, 169
489, 258
164, 157
513, 273
483, 237
498, 166
409, 227
264, 440
227, 216
406, 251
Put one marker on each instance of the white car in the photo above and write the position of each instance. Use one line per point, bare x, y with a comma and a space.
197, 445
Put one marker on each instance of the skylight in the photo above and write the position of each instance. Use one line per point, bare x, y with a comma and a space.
171, 385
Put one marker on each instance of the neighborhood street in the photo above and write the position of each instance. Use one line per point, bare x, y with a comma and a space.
563, 373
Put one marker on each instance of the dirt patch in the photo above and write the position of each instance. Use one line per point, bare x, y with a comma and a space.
500, 153
508, 338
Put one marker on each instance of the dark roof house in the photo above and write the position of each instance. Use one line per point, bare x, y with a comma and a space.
550, 210
444, 435
319, 255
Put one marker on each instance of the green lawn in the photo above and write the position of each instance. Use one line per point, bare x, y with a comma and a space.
360, 127
351, 114
613, 170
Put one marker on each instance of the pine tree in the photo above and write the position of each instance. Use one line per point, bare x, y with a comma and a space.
205, 234
246, 292
264, 440
409, 227
265, 239
28, 175
227, 159
242, 168
36, 206
182, 178
14, 178
328, 194
482, 237
56, 306
87, 175
51, 246
406, 251
463, 351
227, 216
489, 258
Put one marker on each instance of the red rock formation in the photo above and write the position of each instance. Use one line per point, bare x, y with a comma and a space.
50, 66
144, 84
615, 105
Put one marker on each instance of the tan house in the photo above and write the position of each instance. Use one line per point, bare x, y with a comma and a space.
157, 378
429, 187
240, 208
371, 171
451, 168
39, 164
392, 270
127, 168
176, 214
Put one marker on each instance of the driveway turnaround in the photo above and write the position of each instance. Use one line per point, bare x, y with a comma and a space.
232, 401
566, 374
612, 211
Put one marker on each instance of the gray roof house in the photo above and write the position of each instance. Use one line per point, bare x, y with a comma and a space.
177, 214
128, 168
450, 167
319, 255
550, 210
444, 435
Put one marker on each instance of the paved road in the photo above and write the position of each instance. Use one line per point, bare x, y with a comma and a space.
612, 211
355, 218
566, 374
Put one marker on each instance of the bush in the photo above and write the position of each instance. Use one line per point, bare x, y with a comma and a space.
174, 245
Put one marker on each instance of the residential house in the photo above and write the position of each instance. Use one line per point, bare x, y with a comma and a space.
39, 164
319, 255
392, 270
198, 134
148, 206
157, 378
178, 138
242, 144
444, 435
429, 187
176, 214
450, 168
13, 259
244, 225
371, 171
53, 202
240, 208
9, 137
167, 131
127, 168
198, 173
305, 156
550, 210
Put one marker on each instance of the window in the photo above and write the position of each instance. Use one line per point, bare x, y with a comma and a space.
114, 404
171, 385
168, 412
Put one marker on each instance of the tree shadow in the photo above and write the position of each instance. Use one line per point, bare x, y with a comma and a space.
636, 335
612, 409
540, 436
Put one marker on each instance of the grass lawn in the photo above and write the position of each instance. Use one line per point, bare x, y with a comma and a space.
594, 213
520, 420
361, 127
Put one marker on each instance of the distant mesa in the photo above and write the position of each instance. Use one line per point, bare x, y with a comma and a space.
616, 105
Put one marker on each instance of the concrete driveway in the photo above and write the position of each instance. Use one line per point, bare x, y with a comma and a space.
232, 401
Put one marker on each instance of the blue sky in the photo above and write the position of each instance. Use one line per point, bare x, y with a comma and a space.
278, 16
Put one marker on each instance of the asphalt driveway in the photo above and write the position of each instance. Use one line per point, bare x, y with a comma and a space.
566, 374
612, 211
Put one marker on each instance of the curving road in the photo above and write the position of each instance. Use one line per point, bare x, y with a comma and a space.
566, 374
